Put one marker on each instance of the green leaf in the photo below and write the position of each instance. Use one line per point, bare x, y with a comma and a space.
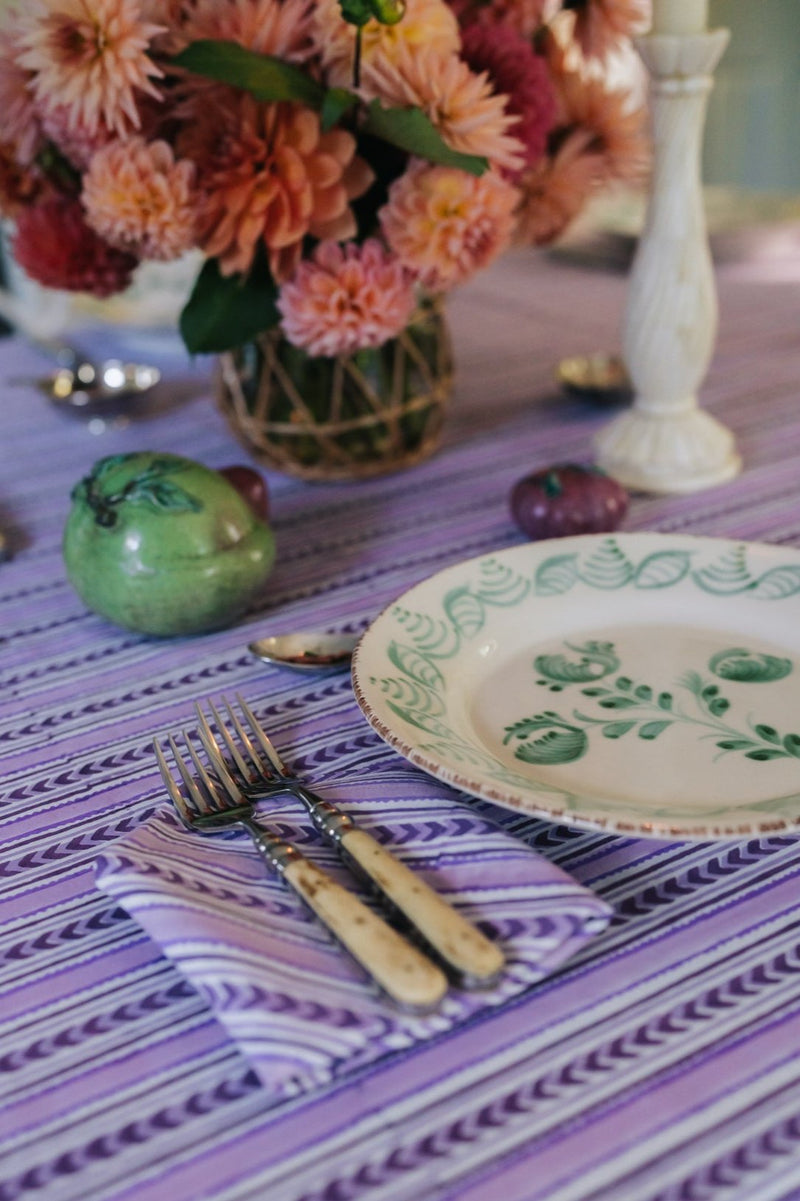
618, 702
766, 753
665, 700
734, 744
644, 692
163, 494
262, 75
652, 729
411, 130
718, 706
792, 744
767, 732
616, 729
336, 103
225, 311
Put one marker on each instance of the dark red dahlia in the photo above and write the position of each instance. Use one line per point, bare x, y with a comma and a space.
515, 69
56, 247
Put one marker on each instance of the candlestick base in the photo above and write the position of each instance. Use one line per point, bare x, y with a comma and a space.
654, 452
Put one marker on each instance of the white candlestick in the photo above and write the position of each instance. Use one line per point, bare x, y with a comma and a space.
665, 442
680, 16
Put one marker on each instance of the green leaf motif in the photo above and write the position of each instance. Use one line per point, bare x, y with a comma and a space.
652, 729
413, 131
225, 311
163, 495
556, 575
662, 569
778, 583
791, 744
607, 568
749, 667
616, 729
415, 666
547, 739
595, 660
465, 611
728, 575
262, 75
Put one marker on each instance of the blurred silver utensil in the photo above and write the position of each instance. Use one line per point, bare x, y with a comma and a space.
96, 390
215, 805
307, 650
465, 953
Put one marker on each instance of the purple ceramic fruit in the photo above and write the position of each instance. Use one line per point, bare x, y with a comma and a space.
567, 499
251, 486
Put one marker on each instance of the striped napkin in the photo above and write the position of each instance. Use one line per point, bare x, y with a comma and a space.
300, 1009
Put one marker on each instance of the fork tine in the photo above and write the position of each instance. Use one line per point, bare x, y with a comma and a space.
214, 751
263, 769
266, 745
196, 794
230, 743
175, 794
218, 799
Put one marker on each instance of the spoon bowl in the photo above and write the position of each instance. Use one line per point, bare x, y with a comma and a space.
307, 650
88, 389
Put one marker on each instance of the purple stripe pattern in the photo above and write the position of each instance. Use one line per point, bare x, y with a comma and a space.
303, 1013
656, 1063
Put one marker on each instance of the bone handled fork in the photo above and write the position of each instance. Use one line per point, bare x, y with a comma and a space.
216, 806
471, 958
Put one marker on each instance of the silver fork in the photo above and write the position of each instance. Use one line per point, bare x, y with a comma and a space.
215, 805
468, 956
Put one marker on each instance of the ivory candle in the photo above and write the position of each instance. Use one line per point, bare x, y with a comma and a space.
680, 16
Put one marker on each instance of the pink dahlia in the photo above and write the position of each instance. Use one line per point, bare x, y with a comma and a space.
55, 246
278, 27
602, 26
444, 225
520, 74
21, 126
555, 190
139, 199
345, 298
91, 57
466, 111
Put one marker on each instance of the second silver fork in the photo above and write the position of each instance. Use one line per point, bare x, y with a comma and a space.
470, 958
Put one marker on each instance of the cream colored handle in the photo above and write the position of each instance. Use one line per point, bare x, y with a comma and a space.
400, 969
476, 961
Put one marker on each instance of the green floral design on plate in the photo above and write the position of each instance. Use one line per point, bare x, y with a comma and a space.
417, 693
549, 738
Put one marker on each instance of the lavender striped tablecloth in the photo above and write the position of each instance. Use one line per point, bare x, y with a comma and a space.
659, 1064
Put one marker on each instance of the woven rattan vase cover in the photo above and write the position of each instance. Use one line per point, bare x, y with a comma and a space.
351, 417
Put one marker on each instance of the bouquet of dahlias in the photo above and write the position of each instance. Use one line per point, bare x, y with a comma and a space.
331, 159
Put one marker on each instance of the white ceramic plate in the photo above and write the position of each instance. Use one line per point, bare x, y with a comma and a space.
642, 683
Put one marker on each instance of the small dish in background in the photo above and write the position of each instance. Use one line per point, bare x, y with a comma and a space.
600, 378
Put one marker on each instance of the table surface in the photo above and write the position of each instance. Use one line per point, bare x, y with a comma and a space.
659, 1063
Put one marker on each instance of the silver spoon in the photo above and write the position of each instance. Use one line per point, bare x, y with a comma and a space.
95, 390
307, 650
80, 386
